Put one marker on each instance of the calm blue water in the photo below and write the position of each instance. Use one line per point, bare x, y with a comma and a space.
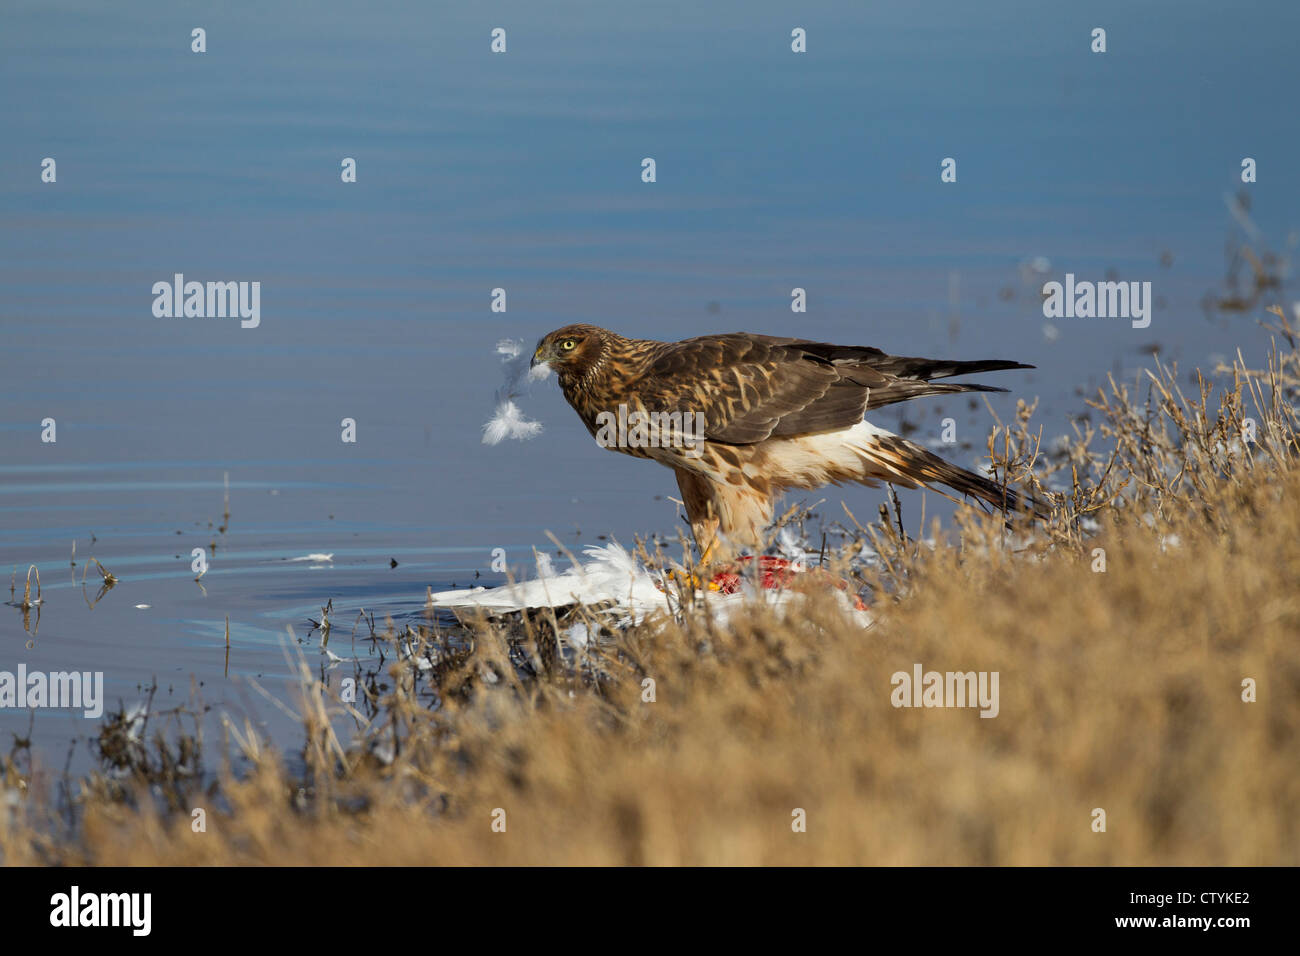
522, 171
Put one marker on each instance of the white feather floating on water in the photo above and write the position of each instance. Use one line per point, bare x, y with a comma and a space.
508, 421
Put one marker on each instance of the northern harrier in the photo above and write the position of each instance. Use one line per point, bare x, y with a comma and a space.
740, 418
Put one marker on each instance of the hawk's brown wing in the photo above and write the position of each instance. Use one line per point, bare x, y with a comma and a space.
753, 387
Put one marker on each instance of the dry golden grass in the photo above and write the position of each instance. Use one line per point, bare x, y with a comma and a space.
1119, 690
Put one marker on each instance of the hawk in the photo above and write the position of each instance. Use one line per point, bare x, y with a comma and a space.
740, 418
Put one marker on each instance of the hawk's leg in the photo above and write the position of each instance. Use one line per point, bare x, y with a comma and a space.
697, 495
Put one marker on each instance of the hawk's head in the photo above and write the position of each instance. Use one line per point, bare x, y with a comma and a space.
572, 350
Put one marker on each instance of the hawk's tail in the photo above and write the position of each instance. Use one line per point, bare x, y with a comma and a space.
908, 378
889, 457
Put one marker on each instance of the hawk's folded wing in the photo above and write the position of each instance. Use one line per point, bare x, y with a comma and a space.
753, 387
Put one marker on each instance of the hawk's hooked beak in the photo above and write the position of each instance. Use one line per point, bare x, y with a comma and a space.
540, 366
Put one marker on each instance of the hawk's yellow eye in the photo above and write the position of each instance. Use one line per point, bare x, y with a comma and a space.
568, 345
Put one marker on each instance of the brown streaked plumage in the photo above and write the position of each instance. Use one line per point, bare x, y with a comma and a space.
778, 413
